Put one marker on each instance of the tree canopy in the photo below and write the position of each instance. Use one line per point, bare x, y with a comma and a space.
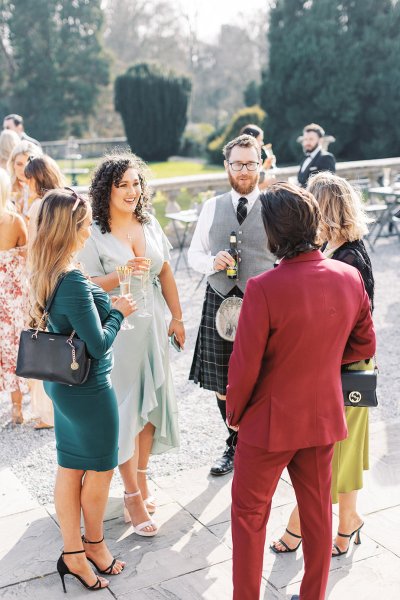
334, 62
55, 63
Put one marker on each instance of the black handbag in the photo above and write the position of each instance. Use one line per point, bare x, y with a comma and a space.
359, 387
52, 356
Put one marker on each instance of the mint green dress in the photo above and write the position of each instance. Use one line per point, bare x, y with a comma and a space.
86, 416
141, 376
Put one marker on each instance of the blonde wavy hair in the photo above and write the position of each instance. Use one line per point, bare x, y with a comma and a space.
8, 140
54, 246
5, 191
343, 216
23, 147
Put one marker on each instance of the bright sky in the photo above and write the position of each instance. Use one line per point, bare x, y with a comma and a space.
211, 14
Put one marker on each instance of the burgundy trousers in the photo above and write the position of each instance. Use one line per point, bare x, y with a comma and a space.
256, 476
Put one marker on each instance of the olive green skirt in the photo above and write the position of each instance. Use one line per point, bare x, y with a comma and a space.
351, 456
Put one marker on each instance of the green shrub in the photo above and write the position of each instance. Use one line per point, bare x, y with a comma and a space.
252, 114
195, 139
153, 105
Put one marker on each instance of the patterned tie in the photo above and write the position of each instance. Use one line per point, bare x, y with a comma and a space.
241, 211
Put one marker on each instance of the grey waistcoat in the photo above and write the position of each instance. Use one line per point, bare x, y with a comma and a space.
252, 244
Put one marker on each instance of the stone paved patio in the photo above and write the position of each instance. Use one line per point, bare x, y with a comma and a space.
190, 559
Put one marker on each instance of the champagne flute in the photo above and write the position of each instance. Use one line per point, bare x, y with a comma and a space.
270, 154
144, 285
124, 277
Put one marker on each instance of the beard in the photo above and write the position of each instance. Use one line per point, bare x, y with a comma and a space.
245, 186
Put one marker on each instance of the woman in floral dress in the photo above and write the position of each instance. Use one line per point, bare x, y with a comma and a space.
13, 297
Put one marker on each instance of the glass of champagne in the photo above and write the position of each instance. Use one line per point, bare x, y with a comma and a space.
144, 286
124, 277
270, 154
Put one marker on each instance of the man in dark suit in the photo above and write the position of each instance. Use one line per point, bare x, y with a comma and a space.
298, 324
316, 159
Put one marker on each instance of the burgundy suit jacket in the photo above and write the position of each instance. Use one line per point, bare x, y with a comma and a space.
299, 322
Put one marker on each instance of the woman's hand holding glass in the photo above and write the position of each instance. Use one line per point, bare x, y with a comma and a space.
139, 264
125, 304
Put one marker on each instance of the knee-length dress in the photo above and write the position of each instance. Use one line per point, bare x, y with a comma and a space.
141, 376
351, 456
13, 314
86, 416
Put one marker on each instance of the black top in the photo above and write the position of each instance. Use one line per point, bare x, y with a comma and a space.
356, 255
322, 161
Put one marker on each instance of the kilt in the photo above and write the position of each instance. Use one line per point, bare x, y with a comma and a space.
212, 353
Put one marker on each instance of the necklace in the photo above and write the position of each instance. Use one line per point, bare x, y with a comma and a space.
129, 236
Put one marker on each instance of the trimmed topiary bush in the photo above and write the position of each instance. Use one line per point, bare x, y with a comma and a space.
153, 105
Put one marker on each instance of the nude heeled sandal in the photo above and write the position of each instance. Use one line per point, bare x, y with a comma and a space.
150, 499
141, 526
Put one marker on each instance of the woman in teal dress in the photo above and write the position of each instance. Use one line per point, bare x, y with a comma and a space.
86, 416
124, 233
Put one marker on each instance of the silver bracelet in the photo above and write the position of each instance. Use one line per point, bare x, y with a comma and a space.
179, 320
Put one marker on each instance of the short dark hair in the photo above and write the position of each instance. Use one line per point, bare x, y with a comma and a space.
18, 120
291, 218
315, 128
244, 141
253, 130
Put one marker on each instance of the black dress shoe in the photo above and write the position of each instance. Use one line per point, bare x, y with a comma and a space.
224, 465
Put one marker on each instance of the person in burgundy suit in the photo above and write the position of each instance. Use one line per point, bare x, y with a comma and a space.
298, 324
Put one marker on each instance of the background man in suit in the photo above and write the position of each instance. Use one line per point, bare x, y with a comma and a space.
16, 123
316, 159
284, 388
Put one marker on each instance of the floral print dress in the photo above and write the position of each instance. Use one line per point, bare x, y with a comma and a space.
13, 313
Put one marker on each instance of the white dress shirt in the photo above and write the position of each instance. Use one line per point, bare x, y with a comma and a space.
199, 254
310, 158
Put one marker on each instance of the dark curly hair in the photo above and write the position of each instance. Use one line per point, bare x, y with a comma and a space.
110, 171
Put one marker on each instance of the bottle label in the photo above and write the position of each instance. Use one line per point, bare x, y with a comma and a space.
232, 271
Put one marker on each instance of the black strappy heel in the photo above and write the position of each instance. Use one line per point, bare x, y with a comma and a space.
63, 570
280, 541
109, 569
357, 541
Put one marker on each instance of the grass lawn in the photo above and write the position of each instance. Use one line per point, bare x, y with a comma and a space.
158, 170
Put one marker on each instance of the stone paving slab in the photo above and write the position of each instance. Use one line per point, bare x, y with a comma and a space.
212, 583
30, 544
14, 497
282, 570
371, 579
208, 498
183, 545
50, 588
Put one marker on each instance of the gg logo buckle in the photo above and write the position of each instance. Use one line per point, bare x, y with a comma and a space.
355, 397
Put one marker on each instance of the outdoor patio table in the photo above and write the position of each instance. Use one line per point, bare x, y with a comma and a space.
187, 218
386, 215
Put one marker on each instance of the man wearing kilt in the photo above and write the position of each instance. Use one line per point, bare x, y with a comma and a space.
239, 211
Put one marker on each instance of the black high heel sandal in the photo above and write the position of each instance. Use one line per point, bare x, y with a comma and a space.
109, 569
288, 549
63, 570
357, 541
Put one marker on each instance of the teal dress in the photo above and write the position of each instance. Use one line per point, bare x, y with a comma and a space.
141, 376
86, 416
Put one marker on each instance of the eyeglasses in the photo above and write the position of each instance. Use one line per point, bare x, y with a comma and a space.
75, 195
238, 166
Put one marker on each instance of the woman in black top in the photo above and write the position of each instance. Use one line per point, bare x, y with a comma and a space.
344, 223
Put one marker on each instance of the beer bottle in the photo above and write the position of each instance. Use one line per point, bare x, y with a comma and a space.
233, 271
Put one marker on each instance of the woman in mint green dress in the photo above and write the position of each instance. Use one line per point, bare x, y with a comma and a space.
86, 416
124, 233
